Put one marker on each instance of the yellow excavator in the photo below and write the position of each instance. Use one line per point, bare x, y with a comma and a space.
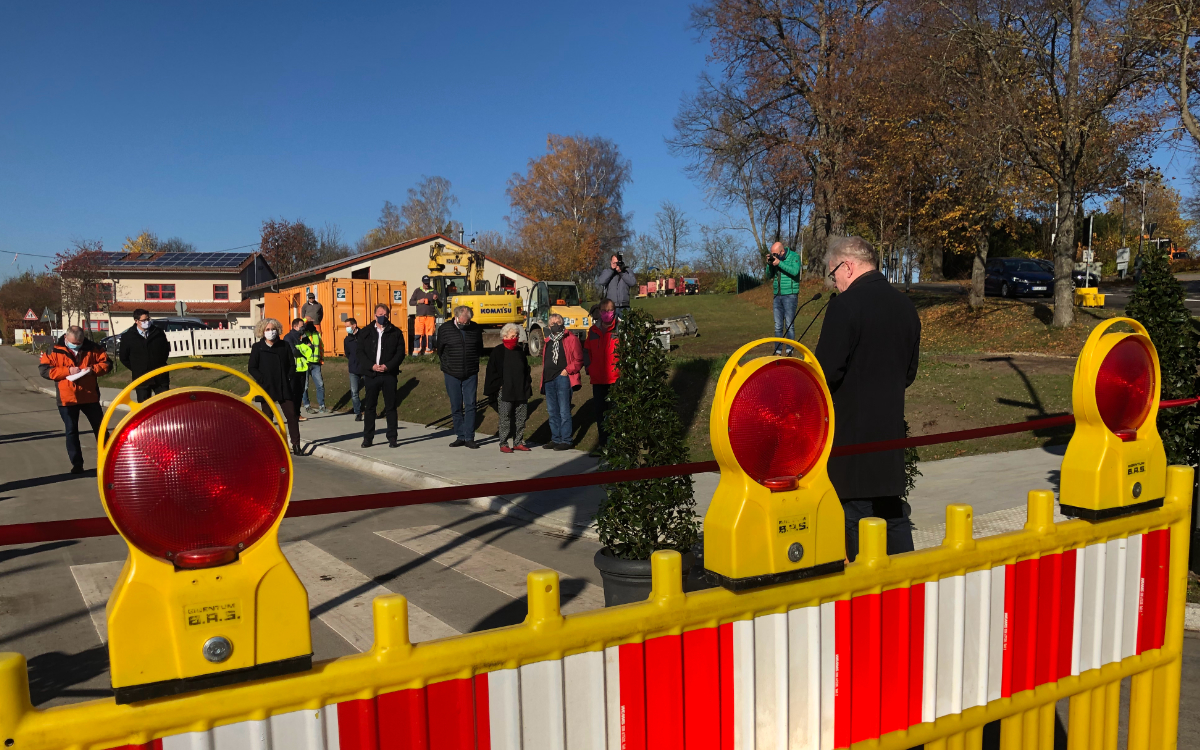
457, 275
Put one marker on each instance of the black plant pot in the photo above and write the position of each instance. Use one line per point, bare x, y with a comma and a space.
629, 581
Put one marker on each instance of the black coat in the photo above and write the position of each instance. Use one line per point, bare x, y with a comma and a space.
350, 346
459, 349
390, 355
274, 369
142, 355
507, 376
869, 349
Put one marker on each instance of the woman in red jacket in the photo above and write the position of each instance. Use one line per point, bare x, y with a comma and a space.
600, 353
562, 361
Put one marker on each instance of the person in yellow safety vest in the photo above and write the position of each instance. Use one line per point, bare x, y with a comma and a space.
310, 347
300, 377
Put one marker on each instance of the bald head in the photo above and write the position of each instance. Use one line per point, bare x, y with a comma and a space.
779, 249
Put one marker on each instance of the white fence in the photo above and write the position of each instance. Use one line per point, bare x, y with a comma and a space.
211, 342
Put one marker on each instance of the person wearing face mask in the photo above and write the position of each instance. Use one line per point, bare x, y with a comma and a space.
295, 340
562, 362
357, 379
380, 352
273, 366
74, 364
600, 352
510, 387
313, 350
459, 346
144, 348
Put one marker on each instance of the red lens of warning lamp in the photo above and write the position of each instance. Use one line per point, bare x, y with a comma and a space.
778, 424
195, 478
1125, 387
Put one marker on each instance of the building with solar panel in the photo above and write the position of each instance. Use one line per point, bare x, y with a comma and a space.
209, 286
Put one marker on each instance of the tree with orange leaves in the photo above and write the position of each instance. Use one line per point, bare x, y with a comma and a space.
567, 209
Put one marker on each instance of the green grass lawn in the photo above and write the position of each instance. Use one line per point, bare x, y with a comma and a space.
962, 382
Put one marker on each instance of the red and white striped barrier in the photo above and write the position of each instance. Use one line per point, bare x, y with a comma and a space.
817, 677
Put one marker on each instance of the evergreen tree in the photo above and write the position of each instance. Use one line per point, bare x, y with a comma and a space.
1157, 303
638, 518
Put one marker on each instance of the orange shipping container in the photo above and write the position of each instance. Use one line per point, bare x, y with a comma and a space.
342, 299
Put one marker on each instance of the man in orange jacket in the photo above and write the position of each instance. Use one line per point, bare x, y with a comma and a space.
74, 364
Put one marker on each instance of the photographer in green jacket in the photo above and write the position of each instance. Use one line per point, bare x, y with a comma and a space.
783, 269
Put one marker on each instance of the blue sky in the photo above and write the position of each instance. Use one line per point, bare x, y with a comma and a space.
200, 120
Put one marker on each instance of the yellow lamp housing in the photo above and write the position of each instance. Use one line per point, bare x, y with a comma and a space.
1115, 463
197, 481
775, 516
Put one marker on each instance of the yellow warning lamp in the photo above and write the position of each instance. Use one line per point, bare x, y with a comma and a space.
196, 480
1115, 463
775, 516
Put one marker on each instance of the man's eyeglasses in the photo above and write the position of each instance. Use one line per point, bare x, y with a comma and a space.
833, 273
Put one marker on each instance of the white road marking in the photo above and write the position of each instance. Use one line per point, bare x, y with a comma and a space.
487, 564
95, 582
328, 578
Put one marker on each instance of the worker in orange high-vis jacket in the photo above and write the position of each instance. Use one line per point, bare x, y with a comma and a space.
74, 364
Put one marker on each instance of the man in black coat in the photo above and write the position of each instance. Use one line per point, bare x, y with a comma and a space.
459, 346
869, 349
144, 348
357, 379
380, 352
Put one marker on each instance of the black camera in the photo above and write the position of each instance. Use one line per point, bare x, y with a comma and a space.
621, 262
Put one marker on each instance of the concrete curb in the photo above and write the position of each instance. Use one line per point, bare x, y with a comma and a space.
1191, 617
425, 480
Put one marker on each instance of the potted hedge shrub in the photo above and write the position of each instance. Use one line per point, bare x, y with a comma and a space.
638, 518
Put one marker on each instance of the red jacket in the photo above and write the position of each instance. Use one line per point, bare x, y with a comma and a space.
56, 365
601, 355
574, 366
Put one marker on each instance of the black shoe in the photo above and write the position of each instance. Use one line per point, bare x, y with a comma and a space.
393, 444
562, 447
366, 443
76, 469
297, 452
458, 443
550, 446
358, 417
471, 444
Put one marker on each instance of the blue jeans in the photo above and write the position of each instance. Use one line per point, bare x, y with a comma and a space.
785, 312
558, 405
356, 382
316, 378
70, 417
462, 404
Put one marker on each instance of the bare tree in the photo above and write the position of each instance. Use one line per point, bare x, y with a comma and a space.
289, 246
670, 239
427, 210
720, 252
177, 245
84, 287
1065, 78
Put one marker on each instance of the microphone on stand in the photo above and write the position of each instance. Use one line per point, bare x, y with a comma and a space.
814, 320
792, 325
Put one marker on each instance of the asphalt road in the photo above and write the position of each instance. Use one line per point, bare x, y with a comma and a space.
462, 570
343, 559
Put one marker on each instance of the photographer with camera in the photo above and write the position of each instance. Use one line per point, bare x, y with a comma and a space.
614, 283
783, 268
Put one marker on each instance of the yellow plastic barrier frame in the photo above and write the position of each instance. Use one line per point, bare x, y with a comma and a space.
394, 663
154, 648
